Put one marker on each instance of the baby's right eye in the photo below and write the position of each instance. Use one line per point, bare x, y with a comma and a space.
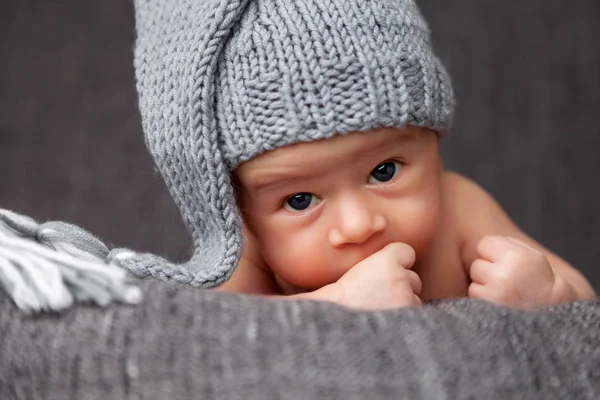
300, 202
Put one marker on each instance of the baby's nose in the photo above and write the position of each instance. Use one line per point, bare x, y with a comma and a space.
356, 224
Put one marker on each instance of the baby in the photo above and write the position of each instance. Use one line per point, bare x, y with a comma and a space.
317, 123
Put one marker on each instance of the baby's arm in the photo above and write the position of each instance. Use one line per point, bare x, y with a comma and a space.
506, 265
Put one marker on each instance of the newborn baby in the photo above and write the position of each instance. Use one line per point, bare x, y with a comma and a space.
371, 219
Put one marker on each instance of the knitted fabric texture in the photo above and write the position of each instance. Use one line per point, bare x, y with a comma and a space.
222, 81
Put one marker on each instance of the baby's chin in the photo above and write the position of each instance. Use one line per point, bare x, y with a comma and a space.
301, 284
310, 277
287, 288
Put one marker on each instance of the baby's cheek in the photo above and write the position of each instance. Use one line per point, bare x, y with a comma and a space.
418, 224
300, 261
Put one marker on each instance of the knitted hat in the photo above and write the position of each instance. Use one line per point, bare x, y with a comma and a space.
222, 81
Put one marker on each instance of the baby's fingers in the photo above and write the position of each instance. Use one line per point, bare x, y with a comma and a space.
482, 271
490, 247
402, 253
414, 281
477, 291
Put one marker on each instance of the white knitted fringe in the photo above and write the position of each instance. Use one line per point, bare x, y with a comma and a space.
39, 278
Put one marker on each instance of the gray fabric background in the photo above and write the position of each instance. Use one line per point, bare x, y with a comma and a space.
527, 78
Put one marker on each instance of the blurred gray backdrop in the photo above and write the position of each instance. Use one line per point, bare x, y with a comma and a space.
526, 75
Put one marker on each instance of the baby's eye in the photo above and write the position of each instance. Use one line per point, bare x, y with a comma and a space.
300, 202
384, 172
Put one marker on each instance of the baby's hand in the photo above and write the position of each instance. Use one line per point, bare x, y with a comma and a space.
511, 273
382, 280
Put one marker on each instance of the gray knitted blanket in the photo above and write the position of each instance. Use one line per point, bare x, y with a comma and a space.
185, 343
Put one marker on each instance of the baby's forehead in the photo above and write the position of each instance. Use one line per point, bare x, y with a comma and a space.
301, 158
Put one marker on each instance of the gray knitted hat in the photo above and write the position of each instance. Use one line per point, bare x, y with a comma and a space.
221, 81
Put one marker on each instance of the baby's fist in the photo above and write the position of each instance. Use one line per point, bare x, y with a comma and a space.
382, 280
512, 273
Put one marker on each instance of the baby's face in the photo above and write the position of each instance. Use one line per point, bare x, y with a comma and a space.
319, 208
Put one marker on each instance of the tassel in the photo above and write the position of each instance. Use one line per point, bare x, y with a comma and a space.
48, 267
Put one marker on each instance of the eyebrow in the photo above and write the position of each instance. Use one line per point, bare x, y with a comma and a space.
272, 181
399, 138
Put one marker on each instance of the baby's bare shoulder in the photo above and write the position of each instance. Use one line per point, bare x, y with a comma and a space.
457, 186
465, 200
473, 213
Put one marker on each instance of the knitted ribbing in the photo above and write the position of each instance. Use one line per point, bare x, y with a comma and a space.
307, 70
221, 81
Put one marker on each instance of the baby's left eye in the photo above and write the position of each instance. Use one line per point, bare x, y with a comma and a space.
384, 172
